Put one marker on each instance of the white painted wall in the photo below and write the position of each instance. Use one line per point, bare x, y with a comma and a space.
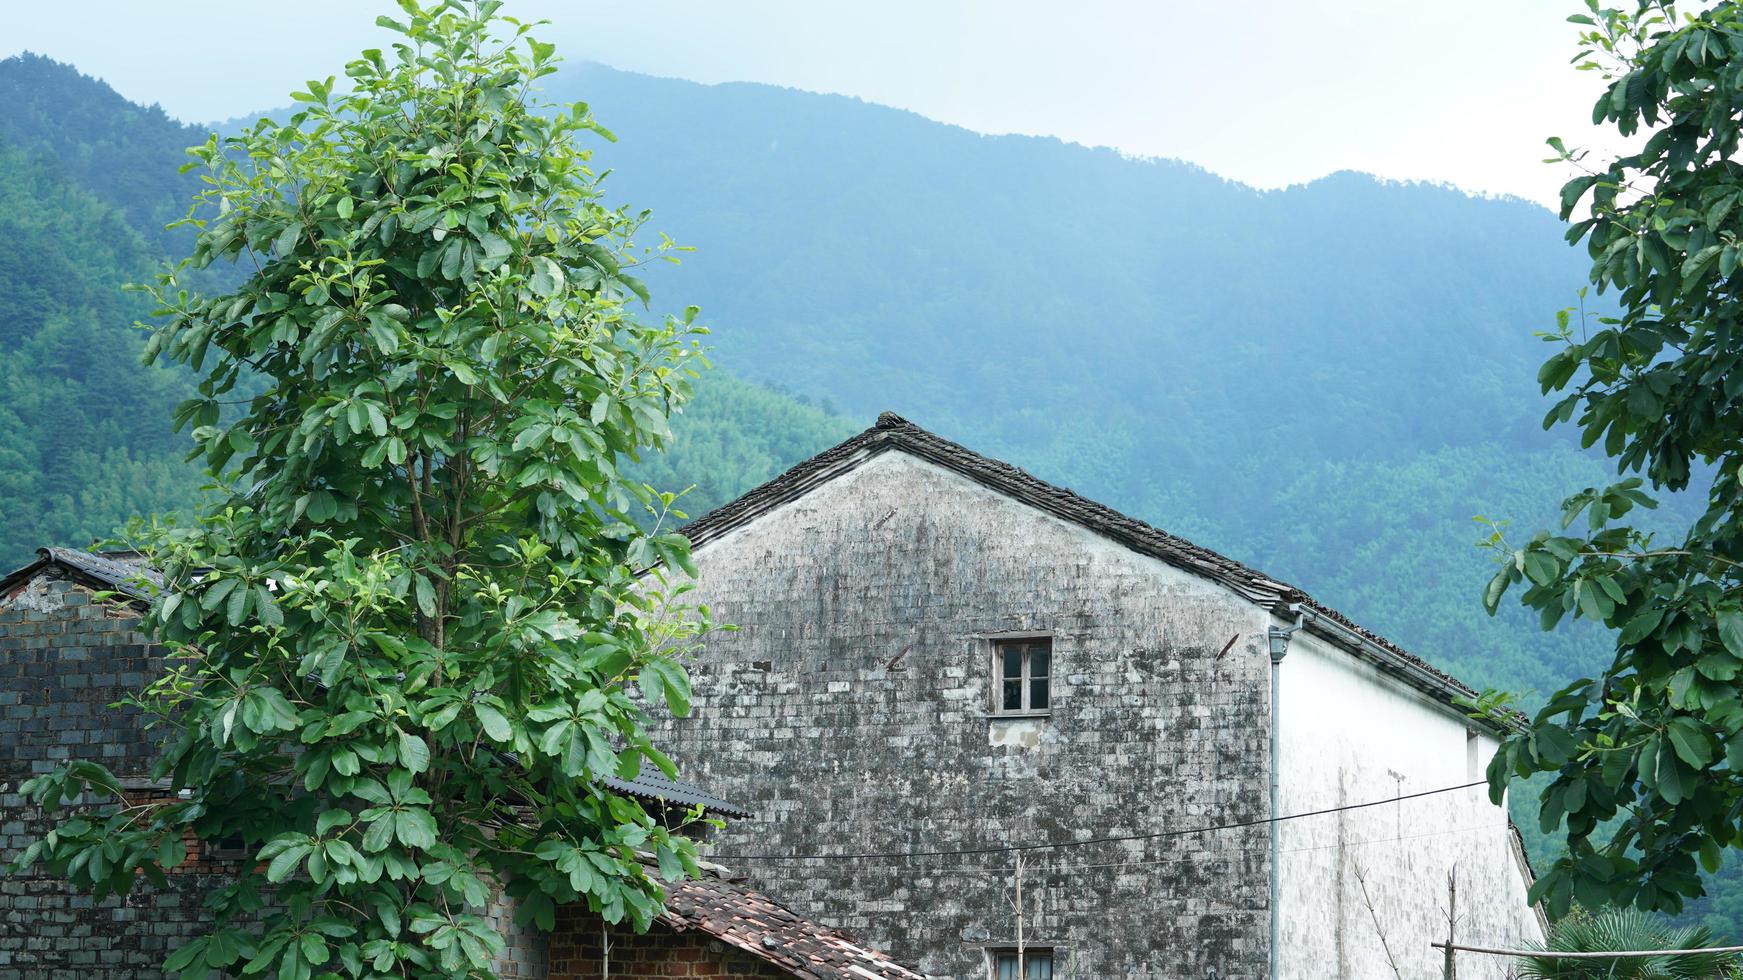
1351, 734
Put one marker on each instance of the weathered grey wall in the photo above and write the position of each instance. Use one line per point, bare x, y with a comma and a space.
64, 658
850, 711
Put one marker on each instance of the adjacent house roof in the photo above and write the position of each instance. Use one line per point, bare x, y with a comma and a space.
119, 571
894, 433
655, 787
724, 907
122, 572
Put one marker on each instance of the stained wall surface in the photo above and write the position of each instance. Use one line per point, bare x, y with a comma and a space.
65, 658
851, 711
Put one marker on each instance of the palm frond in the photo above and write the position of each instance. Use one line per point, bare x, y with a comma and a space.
1614, 930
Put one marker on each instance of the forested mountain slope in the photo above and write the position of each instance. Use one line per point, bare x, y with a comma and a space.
84, 438
1326, 381
87, 182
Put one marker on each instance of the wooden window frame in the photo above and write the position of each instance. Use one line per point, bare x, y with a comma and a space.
1028, 641
1030, 950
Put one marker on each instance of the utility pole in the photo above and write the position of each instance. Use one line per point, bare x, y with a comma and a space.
1451, 971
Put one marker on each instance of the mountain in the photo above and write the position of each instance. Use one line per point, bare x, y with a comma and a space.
87, 182
127, 156
1327, 382
84, 440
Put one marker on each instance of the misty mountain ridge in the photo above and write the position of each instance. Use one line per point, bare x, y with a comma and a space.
1256, 369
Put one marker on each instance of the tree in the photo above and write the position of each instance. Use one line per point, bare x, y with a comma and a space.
1646, 759
1613, 930
409, 634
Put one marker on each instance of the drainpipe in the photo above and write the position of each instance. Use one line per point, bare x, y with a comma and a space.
1278, 637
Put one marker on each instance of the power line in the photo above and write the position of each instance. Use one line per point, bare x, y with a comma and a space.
1066, 870
1050, 845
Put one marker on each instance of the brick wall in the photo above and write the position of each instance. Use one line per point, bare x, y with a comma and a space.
65, 657
577, 947
850, 712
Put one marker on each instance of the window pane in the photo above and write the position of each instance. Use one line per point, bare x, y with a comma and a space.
1005, 966
1013, 696
1038, 693
1039, 965
1039, 655
1012, 656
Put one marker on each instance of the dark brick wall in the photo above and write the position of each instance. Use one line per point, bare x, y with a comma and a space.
65, 657
850, 711
577, 952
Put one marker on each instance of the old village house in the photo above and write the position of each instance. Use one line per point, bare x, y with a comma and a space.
940, 656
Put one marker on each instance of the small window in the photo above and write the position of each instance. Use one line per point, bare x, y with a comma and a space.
1024, 669
231, 848
1037, 964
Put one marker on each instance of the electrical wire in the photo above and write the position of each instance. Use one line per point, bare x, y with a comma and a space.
1047, 871
1115, 839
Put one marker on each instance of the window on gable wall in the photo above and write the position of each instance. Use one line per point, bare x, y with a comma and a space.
1037, 964
1023, 672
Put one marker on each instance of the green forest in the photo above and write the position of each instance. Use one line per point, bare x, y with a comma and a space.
1107, 323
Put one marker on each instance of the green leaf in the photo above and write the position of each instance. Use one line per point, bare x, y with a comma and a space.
1555, 745
186, 955
1690, 742
266, 607
415, 827
1496, 588
426, 593
380, 834
495, 724
1731, 631
414, 754
547, 279
285, 864
321, 507
286, 242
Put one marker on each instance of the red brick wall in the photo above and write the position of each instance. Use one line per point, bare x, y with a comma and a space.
576, 953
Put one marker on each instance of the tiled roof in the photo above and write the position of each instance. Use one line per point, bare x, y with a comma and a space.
654, 786
122, 571
108, 571
892, 432
727, 909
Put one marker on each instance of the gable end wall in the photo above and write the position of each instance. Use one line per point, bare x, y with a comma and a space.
849, 711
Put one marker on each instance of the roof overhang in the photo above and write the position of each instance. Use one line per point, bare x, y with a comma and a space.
894, 433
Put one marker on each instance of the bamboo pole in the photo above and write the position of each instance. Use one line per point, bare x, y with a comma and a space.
1618, 954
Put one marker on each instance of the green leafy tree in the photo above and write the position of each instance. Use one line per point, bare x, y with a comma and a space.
410, 633
1614, 930
1646, 759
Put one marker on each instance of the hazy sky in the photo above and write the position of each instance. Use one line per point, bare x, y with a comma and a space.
1270, 92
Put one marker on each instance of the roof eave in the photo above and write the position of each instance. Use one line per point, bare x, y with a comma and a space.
894, 432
